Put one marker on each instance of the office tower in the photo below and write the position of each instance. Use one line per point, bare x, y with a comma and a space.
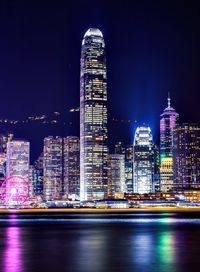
143, 160
52, 168
71, 153
4, 139
93, 117
18, 158
116, 174
127, 151
156, 175
37, 176
36, 181
168, 121
31, 180
186, 156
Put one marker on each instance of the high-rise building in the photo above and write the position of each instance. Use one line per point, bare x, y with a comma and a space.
71, 153
127, 151
116, 174
168, 121
156, 177
143, 160
93, 117
186, 156
18, 159
52, 167
36, 181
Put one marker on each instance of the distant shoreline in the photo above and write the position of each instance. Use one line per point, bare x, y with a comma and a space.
103, 211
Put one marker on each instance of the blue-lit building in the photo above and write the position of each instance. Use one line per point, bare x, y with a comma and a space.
143, 160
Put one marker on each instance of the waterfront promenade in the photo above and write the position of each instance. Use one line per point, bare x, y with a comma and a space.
94, 210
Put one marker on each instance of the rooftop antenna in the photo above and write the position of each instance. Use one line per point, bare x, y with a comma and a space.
169, 100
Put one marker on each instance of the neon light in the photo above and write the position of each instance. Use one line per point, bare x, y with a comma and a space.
14, 191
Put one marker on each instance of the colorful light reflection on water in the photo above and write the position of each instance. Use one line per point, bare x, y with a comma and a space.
36, 243
12, 256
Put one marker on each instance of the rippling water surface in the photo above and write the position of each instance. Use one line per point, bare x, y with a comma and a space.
99, 242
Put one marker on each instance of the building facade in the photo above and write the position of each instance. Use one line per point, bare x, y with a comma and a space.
186, 157
36, 181
93, 117
18, 159
127, 151
168, 121
71, 154
52, 167
156, 178
116, 174
143, 160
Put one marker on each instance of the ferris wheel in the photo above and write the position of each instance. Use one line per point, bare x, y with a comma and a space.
14, 191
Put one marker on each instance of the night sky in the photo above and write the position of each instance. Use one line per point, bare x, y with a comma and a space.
152, 49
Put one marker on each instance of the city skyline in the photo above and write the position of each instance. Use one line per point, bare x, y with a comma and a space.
99, 136
49, 66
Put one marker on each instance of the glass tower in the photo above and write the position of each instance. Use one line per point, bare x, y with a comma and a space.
116, 174
93, 117
52, 165
18, 159
143, 160
168, 121
71, 167
186, 156
127, 151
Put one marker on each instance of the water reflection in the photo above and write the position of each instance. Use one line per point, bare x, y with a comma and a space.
166, 248
85, 244
12, 255
142, 252
155, 248
92, 248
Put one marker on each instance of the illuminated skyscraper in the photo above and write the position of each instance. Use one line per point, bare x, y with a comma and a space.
168, 122
93, 117
36, 181
143, 160
156, 178
18, 158
186, 157
71, 153
52, 167
127, 151
116, 174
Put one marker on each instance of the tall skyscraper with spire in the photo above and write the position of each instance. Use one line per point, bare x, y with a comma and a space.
168, 121
93, 117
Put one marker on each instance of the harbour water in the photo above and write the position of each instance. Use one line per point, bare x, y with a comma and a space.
99, 242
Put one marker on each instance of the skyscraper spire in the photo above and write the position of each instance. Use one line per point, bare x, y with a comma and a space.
93, 117
168, 121
169, 100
